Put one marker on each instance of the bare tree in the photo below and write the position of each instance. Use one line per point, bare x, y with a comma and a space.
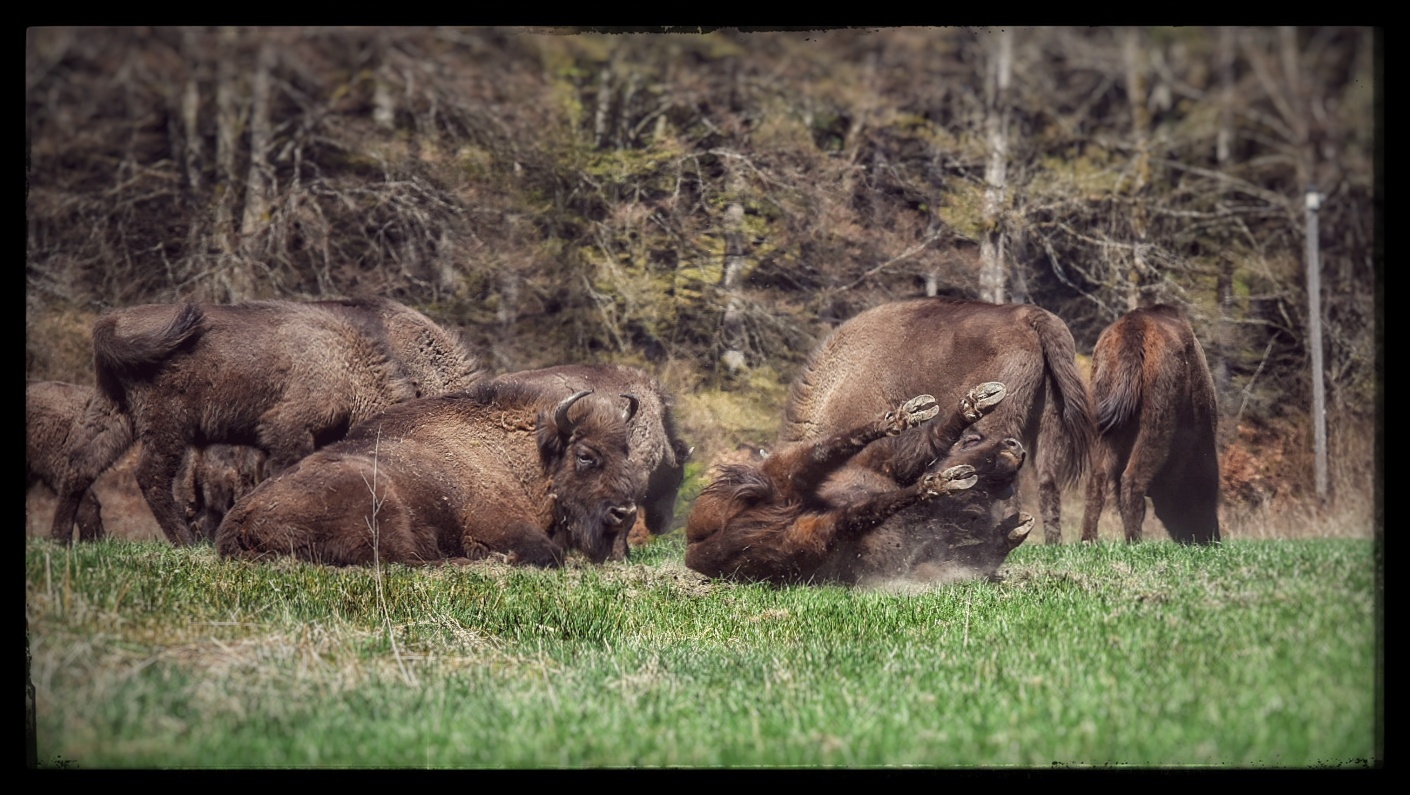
999, 70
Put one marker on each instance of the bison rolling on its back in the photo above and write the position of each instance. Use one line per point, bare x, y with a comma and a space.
284, 377
507, 469
819, 511
941, 346
1157, 416
656, 447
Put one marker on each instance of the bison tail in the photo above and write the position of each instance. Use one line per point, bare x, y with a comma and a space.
116, 354
1068, 389
1117, 366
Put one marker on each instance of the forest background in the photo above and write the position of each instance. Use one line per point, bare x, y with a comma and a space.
709, 204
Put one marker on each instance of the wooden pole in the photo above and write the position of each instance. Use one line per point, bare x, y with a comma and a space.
1314, 324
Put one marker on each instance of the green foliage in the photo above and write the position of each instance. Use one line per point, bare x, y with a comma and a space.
1250, 654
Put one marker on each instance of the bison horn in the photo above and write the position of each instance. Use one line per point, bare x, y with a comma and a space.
633, 403
560, 412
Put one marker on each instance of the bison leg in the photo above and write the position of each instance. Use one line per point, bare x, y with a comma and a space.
864, 514
156, 475
521, 542
1016, 528
802, 467
905, 457
1096, 501
90, 517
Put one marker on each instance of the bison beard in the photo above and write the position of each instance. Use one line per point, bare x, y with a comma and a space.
1157, 416
502, 469
810, 512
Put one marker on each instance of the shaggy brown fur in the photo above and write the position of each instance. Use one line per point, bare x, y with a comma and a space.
214, 479
51, 410
281, 376
806, 513
656, 448
502, 469
1157, 415
939, 346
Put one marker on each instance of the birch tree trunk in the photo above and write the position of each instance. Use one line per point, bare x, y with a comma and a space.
732, 328
992, 267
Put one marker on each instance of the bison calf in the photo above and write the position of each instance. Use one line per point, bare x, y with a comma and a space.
506, 469
1157, 417
52, 410
804, 513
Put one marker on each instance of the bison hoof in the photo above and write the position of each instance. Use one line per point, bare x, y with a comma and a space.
949, 481
981, 399
912, 413
1020, 525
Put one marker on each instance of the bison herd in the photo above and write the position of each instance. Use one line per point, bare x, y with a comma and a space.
359, 431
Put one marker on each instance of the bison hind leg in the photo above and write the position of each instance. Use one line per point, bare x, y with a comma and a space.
911, 413
980, 400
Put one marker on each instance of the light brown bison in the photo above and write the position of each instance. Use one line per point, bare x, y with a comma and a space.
939, 346
656, 447
817, 511
1157, 416
281, 376
503, 469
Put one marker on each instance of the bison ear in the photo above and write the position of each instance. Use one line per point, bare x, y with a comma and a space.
633, 403
560, 412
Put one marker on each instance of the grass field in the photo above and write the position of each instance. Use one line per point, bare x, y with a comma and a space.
1255, 653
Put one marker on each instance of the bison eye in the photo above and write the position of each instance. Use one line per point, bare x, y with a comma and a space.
971, 439
586, 461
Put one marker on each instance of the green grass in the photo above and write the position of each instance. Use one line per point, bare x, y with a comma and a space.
1252, 654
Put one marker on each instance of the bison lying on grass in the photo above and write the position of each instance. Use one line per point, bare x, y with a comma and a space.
814, 511
506, 469
1157, 416
281, 376
938, 346
656, 447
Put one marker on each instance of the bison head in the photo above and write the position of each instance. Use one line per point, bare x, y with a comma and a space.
584, 447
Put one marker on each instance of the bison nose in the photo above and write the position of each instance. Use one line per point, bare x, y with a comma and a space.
622, 514
1013, 446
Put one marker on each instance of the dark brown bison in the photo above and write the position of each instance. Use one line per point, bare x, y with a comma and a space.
281, 376
939, 346
52, 408
513, 470
1157, 417
816, 511
656, 447
211, 478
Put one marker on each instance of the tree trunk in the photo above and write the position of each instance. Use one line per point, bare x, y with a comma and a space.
258, 184
992, 268
1140, 132
733, 326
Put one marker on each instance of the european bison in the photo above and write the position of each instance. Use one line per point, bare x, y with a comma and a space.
282, 376
215, 477
656, 447
1157, 417
504, 469
211, 478
939, 346
51, 410
815, 511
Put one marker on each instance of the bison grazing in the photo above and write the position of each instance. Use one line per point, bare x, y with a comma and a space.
284, 377
656, 446
938, 346
1156, 416
51, 410
815, 511
506, 469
